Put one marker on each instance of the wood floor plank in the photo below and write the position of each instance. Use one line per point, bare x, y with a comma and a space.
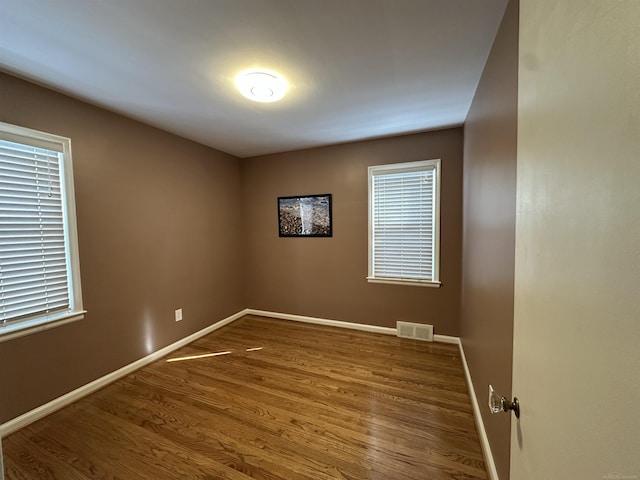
401, 414
34, 462
260, 416
317, 420
291, 401
72, 452
231, 439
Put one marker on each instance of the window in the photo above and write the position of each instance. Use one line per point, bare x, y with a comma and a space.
404, 223
39, 269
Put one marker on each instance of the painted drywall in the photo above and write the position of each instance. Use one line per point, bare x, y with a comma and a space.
158, 229
490, 148
577, 301
326, 277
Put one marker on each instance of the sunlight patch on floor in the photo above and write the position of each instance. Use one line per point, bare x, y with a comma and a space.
208, 355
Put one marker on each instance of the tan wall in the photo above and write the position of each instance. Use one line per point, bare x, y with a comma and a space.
325, 277
158, 230
490, 148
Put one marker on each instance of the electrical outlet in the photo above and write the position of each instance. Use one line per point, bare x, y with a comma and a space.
178, 315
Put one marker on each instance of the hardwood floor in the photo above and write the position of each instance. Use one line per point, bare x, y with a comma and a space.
314, 402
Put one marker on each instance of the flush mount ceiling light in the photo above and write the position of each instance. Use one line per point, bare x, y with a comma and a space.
261, 85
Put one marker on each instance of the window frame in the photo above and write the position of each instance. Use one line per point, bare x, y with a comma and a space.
406, 167
75, 311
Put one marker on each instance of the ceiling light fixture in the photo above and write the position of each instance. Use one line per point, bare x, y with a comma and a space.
261, 85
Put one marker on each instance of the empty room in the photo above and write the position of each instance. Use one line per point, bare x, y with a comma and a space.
319, 239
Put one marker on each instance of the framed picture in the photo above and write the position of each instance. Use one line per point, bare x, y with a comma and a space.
305, 216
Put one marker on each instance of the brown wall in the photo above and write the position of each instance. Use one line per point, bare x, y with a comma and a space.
325, 277
158, 230
490, 140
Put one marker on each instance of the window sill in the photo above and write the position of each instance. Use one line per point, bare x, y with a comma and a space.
20, 329
412, 283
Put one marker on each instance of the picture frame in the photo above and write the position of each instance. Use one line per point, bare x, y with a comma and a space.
305, 216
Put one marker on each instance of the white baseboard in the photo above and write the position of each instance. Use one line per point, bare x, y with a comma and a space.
338, 323
446, 339
323, 321
482, 433
60, 402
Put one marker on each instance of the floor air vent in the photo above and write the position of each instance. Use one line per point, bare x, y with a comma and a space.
417, 331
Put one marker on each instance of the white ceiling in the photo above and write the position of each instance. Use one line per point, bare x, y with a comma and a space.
357, 68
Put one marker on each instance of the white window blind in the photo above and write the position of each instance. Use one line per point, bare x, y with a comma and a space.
404, 234
36, 264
